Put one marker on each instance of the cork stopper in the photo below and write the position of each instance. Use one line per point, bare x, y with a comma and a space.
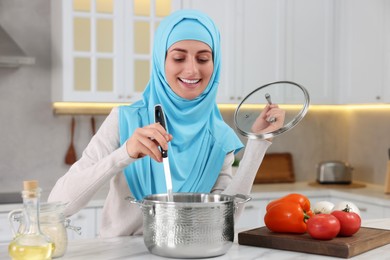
30, 185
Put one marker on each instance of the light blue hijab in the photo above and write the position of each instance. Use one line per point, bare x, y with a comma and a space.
201, 139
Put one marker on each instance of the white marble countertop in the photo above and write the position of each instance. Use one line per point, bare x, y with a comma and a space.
364, 192
134, 248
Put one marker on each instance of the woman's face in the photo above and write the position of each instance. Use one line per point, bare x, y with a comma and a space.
188, 68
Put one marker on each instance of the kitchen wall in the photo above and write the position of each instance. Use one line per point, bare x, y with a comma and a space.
34, 140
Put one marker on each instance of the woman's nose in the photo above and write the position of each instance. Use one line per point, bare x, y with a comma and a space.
191, 66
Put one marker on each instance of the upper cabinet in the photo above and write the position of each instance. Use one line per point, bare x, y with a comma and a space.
338, 50
266, 41
101, 49
364, 51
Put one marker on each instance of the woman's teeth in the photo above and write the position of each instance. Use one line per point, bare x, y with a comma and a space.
190, 81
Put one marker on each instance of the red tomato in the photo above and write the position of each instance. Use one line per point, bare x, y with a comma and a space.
323, 226
349, 222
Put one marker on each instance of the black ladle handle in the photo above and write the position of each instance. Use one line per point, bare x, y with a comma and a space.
159, 117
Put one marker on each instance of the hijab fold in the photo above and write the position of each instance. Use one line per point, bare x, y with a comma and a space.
201, 139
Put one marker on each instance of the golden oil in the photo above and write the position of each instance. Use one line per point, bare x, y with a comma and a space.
31, 244
26, 252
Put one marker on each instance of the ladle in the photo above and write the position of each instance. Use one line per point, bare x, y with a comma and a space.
160, 118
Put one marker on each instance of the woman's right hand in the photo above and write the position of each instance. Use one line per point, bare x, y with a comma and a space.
146, 141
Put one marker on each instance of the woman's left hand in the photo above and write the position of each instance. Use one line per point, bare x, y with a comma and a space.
269, 120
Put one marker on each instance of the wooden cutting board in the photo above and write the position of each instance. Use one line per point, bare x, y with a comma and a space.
275, 168
344, 247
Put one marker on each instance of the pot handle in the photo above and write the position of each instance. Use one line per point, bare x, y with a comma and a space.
242, 198
133, 200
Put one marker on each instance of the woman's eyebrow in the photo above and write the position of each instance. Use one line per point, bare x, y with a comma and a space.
178, 49
185, 51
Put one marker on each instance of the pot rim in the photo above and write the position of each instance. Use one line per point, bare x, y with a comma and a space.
149, 199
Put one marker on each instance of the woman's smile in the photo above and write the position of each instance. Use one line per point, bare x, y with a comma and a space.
190, 83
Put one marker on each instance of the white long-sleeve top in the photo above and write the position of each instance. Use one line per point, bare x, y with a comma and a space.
104, 160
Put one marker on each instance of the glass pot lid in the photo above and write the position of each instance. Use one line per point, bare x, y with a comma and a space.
289, 96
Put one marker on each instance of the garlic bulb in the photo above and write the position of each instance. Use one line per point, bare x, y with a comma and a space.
322, 207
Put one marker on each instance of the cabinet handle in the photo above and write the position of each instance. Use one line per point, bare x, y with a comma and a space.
249, 207
363, 209
129, 96
120, 96
231, 98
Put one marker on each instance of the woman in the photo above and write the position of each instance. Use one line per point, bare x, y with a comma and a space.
201, 146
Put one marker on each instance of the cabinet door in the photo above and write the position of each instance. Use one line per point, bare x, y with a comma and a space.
286, 40
140, 22
226, 15
386, 213
260, 53
5, 230
309, 51
86, 219
87, 50
98, 220
102, 49
252, 215
364, 51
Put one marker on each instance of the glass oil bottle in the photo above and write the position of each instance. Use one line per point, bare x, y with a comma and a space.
32, 244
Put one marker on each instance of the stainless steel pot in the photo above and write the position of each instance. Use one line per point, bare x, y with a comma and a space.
193, 225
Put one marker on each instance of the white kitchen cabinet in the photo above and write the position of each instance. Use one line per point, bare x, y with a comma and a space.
364, 56
86, 220
267, 41
226, 15
101, 50
252, 215
386, 213
338, 50
5, 230
309, 51
98, 220
290, 40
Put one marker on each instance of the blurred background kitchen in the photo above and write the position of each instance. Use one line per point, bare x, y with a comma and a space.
338, 49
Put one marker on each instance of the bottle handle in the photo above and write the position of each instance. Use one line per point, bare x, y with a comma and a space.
14, 216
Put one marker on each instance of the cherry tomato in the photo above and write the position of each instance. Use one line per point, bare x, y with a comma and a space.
323, 226
349, 222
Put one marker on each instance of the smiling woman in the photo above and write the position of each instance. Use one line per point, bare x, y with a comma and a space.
127, 148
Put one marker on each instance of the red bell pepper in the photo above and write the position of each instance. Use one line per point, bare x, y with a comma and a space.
288, 214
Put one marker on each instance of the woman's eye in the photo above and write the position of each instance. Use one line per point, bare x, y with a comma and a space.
203, 59
178, 59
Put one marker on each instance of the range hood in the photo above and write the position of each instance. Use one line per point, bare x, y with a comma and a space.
11, 55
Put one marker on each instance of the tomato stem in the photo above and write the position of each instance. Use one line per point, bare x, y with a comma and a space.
347, 208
